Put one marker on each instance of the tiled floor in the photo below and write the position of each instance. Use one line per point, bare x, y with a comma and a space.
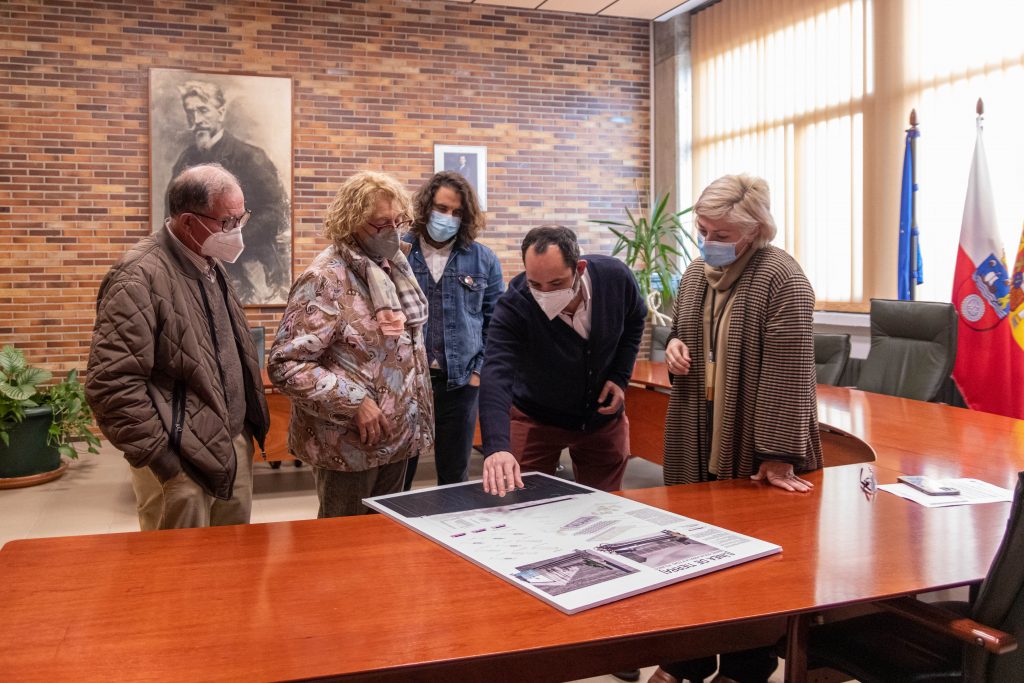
95, 497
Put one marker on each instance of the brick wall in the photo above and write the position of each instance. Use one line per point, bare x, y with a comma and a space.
561, 101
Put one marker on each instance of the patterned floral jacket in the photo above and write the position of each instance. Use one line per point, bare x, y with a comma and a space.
329, 354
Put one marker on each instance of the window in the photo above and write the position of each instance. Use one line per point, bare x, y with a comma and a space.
814, 96
953, 56
779, 91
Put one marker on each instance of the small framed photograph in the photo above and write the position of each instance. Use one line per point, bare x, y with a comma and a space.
471, 162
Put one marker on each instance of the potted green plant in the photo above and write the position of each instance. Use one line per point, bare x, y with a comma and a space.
655, 246
39, 426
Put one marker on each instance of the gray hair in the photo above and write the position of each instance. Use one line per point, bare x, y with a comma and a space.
742, 201
195, 188
208, 92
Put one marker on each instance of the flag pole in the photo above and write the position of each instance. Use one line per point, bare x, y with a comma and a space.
913, 204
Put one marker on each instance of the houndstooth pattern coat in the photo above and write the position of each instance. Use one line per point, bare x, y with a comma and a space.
770, 399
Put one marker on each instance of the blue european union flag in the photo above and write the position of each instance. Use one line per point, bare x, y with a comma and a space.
907, 272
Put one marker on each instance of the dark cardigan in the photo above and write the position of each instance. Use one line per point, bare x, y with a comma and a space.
545, 369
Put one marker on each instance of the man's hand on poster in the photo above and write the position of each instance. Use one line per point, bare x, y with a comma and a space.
371, 422
501, 474
611, 398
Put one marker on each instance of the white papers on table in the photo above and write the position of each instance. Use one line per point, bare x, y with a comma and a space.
972, 492
570, 545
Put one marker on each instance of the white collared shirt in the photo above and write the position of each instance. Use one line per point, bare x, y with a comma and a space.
580, 320
436, 258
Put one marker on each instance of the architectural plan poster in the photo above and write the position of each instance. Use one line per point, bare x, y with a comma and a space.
570, 545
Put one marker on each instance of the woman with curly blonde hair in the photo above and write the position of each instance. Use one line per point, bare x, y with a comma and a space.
350, 355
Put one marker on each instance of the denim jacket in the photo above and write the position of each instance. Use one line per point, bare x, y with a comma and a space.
470, 288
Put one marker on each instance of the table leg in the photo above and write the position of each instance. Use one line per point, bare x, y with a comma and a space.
796, 648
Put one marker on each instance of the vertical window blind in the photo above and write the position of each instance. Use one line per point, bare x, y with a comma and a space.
953, 56
786, 89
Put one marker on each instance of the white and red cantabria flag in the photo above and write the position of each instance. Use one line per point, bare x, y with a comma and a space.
989, 368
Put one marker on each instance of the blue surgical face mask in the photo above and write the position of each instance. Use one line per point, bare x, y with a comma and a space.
442, 227
717, 254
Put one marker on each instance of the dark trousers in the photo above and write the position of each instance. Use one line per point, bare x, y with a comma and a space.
747, 666
598, 457
341, 493
455, 412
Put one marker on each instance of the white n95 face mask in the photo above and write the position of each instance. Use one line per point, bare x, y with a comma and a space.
553, 303
226, 246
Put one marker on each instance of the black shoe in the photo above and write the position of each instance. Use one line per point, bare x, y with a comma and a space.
631, 675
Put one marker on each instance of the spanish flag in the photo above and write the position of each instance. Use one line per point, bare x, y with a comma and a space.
989, 368
1017, 299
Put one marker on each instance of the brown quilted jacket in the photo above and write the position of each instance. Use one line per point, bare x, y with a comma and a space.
154, 377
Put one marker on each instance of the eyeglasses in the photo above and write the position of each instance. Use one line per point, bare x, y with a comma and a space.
868, 483
401, 223
229, 223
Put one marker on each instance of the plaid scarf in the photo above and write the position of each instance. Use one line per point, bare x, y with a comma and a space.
396, 297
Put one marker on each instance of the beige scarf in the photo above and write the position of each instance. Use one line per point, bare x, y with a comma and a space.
396, 297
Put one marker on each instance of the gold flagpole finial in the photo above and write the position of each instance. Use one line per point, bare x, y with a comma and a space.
981, 107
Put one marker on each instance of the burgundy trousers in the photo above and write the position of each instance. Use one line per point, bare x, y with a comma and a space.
598, 457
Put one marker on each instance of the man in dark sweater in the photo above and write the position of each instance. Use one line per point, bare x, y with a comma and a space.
560, 350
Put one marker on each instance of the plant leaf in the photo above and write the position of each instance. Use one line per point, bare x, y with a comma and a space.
618, 223
619, 234
34, 376
16, 393
632, 220
652, 244
11, 360
656, 217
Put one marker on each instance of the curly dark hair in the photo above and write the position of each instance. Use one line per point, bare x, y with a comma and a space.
423, 203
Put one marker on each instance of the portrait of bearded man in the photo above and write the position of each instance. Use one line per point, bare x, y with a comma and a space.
214, 132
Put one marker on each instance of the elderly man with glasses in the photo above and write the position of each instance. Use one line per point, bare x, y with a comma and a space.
173, 376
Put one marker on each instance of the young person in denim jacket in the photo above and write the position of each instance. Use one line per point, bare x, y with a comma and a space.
461, 279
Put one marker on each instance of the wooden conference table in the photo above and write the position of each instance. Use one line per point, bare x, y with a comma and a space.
647, 405
366, 599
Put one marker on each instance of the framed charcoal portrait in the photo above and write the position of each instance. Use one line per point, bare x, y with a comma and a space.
471, 162
244, 123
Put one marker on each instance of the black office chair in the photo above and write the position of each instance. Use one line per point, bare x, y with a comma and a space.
913, 348
943, 642
659, 339
831, 351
